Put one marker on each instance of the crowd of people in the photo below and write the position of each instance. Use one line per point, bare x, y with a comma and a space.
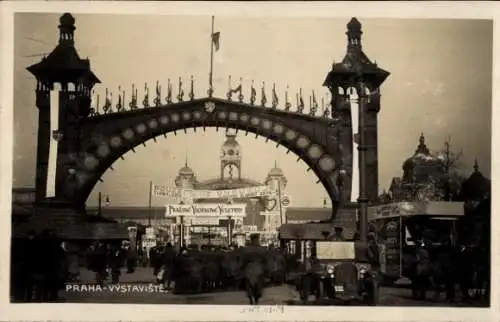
444, 267
42, 264
39, 267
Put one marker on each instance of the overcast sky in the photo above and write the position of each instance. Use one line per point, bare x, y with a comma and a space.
440, 84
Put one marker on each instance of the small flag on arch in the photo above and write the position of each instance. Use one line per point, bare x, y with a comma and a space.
216, 40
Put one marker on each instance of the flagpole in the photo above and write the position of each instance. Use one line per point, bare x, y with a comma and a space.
210, 91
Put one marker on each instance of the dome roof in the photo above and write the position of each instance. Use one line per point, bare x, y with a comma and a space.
186, 170
421, 155
275, 172
230, 142
67, 20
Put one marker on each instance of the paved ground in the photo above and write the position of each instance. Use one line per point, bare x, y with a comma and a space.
138, 288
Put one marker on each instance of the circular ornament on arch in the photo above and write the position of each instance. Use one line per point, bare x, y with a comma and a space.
266, 124
255, 120
90, 162
244, 118
302, 142
140, 128
128, 134
290, 135
197, 115
222, 115
278, 128
164, 120
116, 142
103, 150
153, 124
175, 117
233, 116
186, 116
326, 163
314, 151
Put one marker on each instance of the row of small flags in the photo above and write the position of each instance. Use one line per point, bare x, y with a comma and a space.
133, 104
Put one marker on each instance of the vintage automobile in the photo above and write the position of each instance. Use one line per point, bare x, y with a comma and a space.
329, 267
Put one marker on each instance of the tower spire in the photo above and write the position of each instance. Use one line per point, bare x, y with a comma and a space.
67, 29
354, 34
275, 163
186, 161
476, 166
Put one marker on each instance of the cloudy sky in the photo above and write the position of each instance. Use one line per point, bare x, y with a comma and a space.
440, 84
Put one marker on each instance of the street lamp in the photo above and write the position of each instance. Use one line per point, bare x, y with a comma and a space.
106, 203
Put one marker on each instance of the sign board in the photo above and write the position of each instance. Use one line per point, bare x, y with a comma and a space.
206, 210
432, 208
150, 232
270, 213
285, 201
249, 228
335, 250
190, 194
204, 221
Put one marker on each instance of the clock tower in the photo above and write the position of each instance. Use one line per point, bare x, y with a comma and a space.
230, 158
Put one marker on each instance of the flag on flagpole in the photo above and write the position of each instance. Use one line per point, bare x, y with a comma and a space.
216, 40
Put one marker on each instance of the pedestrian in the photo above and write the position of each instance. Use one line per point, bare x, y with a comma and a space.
116, 261
131, 259
169, 258
99, 262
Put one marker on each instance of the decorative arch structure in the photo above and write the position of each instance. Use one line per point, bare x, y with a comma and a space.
89, 143
103, 139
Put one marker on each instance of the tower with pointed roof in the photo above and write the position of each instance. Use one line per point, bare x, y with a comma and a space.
357, 72
62, 66
230, 158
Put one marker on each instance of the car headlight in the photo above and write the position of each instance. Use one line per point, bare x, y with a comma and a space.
329, 269
362, 271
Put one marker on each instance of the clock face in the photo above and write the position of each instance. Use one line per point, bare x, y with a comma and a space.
230, 152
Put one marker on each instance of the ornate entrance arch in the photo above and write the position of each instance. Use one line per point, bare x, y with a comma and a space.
89, 143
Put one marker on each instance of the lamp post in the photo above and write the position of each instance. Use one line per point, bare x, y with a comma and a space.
106, 203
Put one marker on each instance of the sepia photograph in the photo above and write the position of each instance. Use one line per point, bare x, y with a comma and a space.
251, 160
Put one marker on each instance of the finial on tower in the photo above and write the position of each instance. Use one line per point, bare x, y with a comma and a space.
67, 29
422, 148
476, 166
186, 161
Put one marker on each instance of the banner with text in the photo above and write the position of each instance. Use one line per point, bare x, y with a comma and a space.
250, 192
206, 210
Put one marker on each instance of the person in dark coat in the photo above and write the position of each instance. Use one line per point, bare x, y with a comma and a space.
254, 270
422, 271
99, 262
131, 258
169, 258
116, 260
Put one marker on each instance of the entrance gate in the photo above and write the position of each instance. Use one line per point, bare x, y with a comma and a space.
88, 143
